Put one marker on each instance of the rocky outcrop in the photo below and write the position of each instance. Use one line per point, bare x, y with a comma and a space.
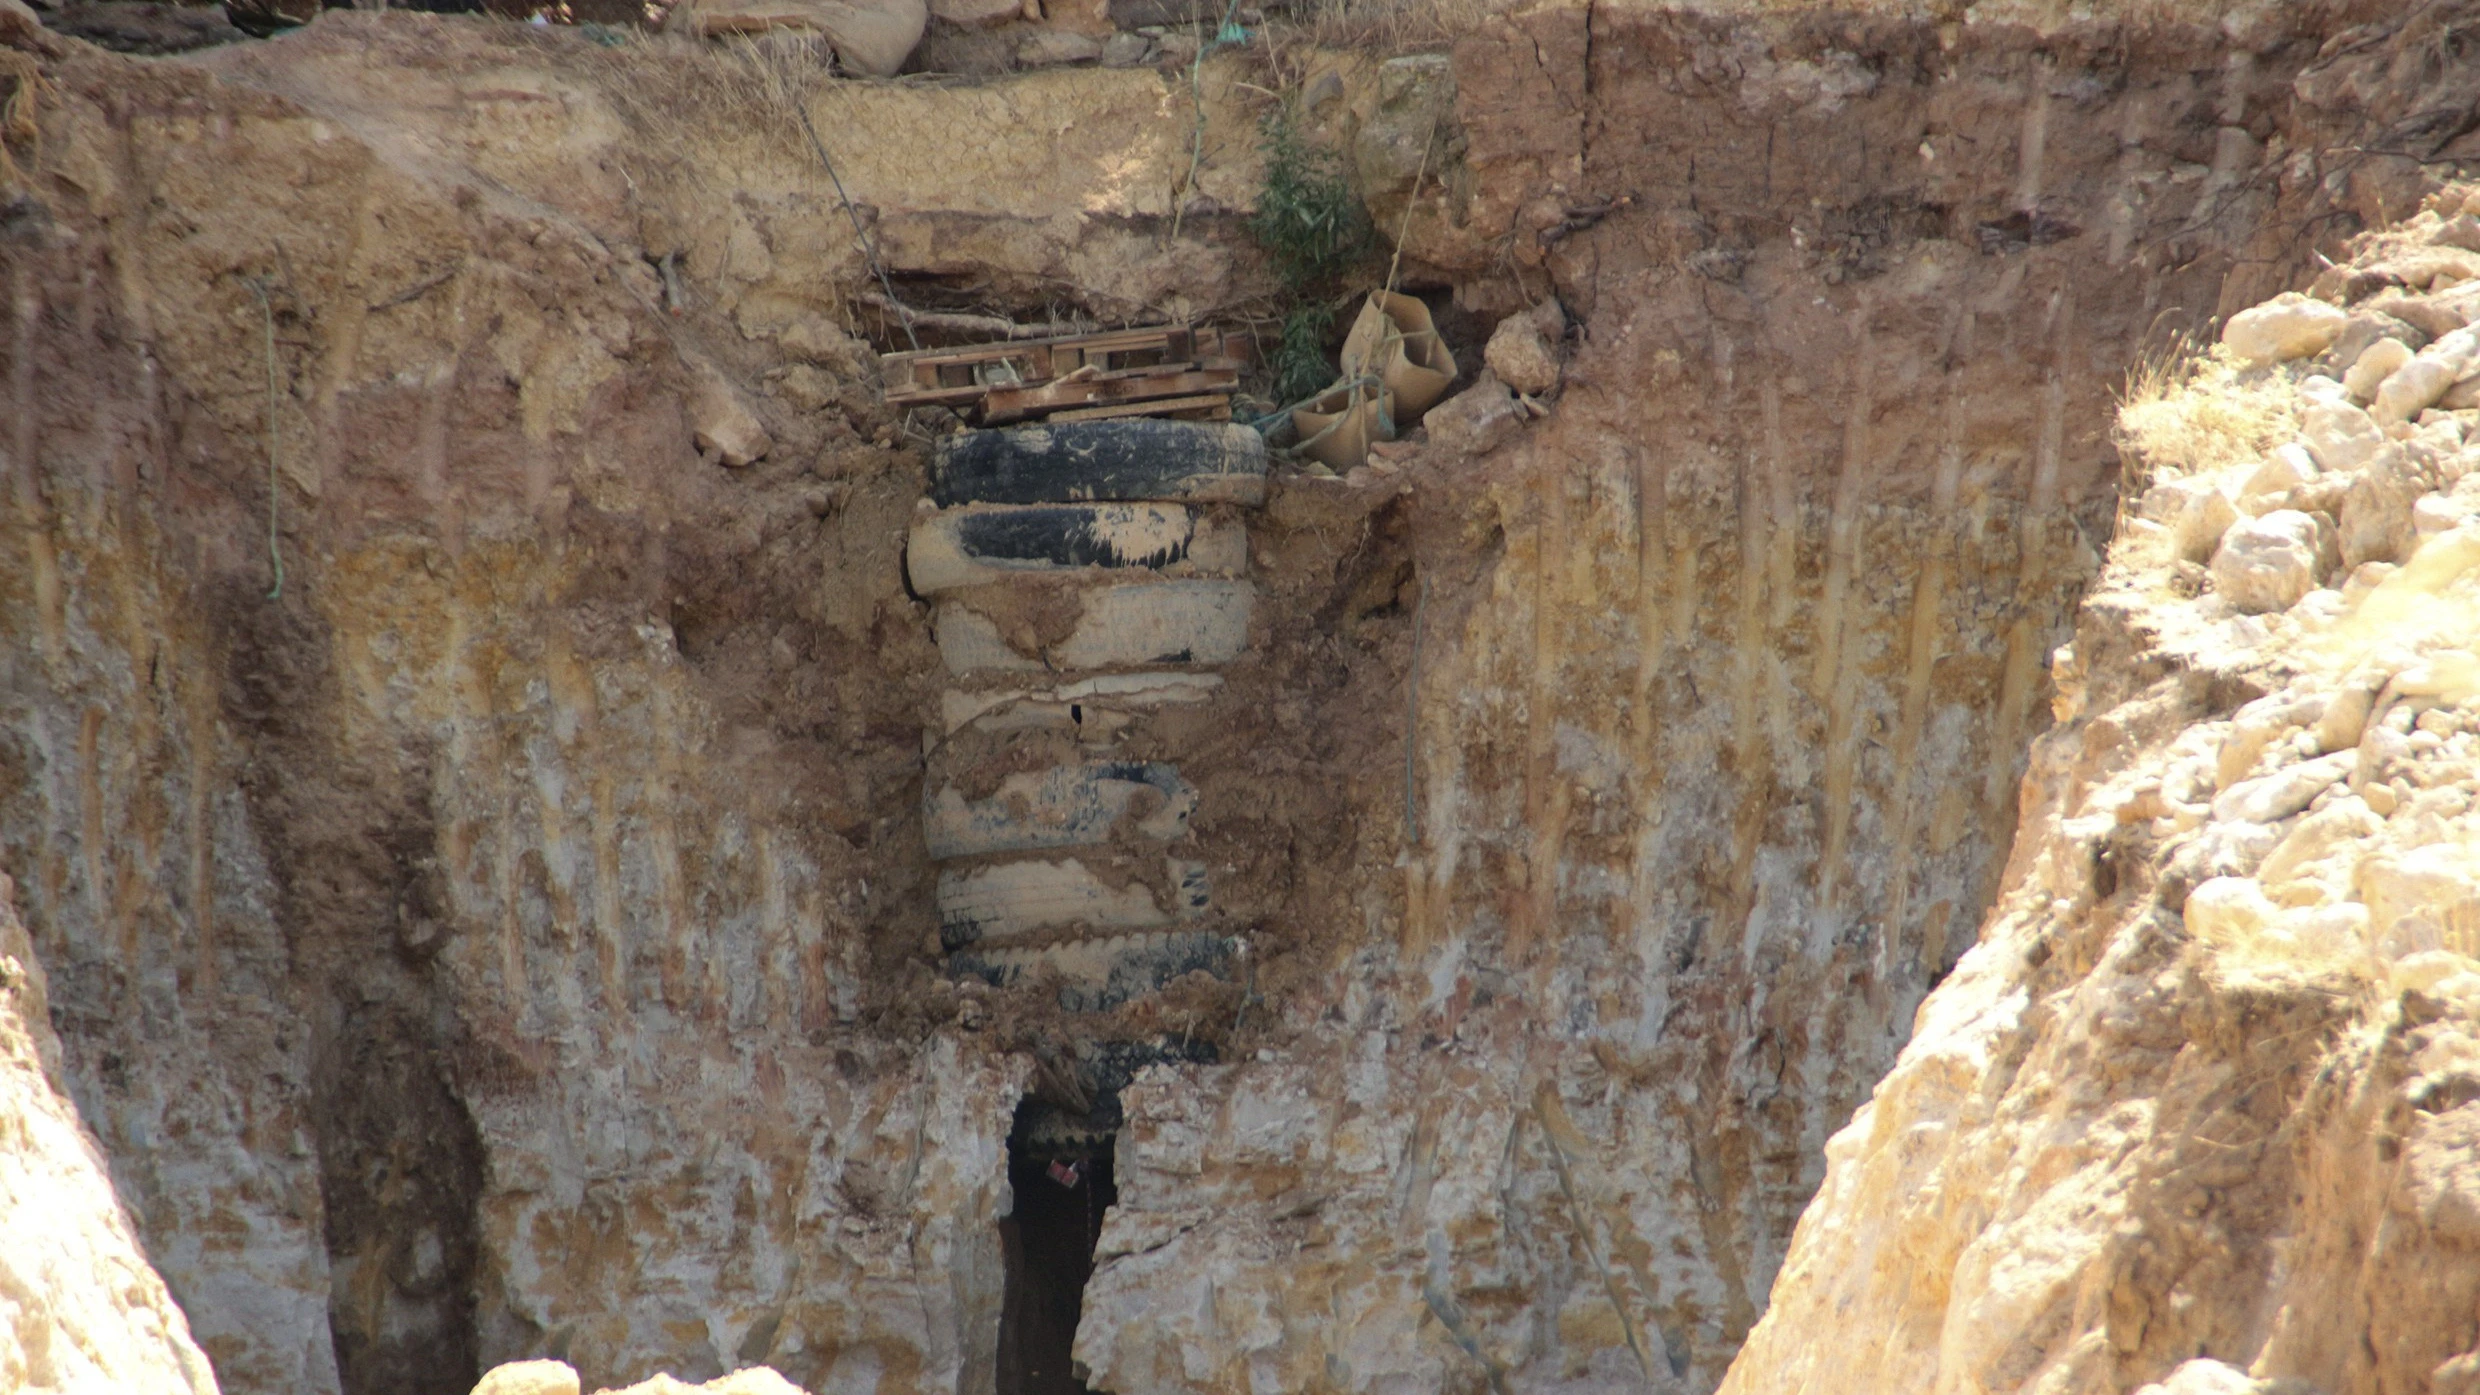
2206, 1087
80, 1308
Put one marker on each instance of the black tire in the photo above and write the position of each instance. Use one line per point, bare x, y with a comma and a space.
1128, 460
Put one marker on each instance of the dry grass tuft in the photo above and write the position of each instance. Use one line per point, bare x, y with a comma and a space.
680, 93
2201, 412
18, 126
1392, 26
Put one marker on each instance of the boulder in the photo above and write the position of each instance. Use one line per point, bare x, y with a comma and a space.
2412, 389
2374, 365
1477, 420
2286, 468
1520, 352
529, 1378
2267, 564
2376, 518
872, 38
2366, 327
2286, 327
2341, 436
2196, 512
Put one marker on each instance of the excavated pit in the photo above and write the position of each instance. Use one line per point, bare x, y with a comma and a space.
514, 933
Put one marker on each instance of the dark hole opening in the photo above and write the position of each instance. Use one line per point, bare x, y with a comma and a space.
1048, 1243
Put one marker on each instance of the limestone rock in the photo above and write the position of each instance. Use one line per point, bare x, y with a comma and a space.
2205, 1376
721, 422
1477, 420
824, 342
2413, 389
2376, 518
1413, 118
2373, 366
749, 1380
2340, 435
1045, 48
873, 38
2365, 327
529, 1378
1520, 352
2285, 468
84, 1310
1126, 50
2272, 798
2432, 514
976, 14
2267, 563
2286, 327
2196, 512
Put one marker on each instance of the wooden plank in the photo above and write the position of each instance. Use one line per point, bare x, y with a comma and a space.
1214, 406
1015, 404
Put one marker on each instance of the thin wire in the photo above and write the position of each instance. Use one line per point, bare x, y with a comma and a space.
1403, 226
267, 322
869, 251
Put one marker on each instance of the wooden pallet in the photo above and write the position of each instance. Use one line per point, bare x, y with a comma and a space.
1115, 374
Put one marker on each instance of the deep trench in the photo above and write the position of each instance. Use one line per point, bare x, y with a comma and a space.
392, 1061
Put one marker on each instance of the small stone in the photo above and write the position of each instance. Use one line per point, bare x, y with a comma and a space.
1521, 355
529, 1378
2341, 436
2412, 389
869, 36
2365, 578
2227, 910
1049, 48
722, 423
2434, 514
2287, 327
1322, 91
1477, 420
1126, 50
824, 342
976, 14
2374, 365
2366, 327
2203, 516
2267, 564
2462, 231
2381, 800
2286, 468
2272, 798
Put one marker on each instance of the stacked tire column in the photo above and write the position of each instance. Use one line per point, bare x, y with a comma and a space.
1086, 581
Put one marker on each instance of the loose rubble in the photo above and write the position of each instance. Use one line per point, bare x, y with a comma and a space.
2233, 992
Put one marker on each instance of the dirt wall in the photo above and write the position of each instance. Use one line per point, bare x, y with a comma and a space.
510, 935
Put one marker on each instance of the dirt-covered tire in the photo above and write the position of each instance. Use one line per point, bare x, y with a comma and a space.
1125, 625
1004, 901
1099, 973
1132, 460
987, 544
1069, 806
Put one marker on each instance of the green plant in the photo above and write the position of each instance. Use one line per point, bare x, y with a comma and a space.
1299, 365
1307, 219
